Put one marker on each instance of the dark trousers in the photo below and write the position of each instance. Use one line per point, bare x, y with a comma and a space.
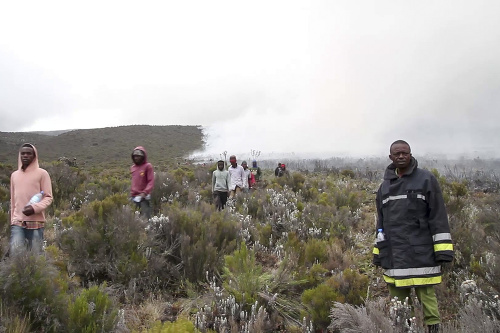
220, 199
144, 207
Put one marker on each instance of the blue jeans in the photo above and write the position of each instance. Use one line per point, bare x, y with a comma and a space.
22, 239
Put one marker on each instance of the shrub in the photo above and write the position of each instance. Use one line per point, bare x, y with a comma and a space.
294, 245
316, 275
346, 287
198, 257
12, 322
265, 231
243, 276
164, 191
319, 300
476, 316
370, 319
183, 174
65, 182
316, 251
348, 173
298, 180
203, 238
4, 229
178, 326
33, 286
458, 189
107, 245
105, 208
4, 192
92, 311
348, 197
352, 285
255, 207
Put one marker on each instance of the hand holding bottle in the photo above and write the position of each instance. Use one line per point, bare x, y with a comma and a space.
28, 209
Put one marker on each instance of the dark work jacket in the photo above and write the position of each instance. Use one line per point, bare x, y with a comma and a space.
413, 217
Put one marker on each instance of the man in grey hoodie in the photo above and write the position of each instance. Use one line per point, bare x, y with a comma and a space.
220, 185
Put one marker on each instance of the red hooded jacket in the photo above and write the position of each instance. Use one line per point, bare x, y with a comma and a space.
143, 177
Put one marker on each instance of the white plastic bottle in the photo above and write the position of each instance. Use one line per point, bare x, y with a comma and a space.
380, 235
36, 198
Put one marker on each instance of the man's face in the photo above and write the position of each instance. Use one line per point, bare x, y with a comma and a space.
138, 159
400, 155
244, 165
220, 166
27, 155
233, 161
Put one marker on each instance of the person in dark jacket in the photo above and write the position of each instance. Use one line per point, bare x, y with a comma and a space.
277, 170
414, 237
283, 171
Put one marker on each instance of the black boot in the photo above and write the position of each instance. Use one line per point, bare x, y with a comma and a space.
433, 328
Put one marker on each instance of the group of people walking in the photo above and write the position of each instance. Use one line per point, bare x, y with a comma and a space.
227, 183
413, 234
281, 170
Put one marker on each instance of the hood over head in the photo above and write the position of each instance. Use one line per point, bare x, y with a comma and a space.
141, 148
34, 164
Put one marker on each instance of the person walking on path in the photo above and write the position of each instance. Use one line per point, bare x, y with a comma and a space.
142, 181
30, 195
248, 180
283, 171
220, 185
277, 170
237, 176
413, 234
258, 171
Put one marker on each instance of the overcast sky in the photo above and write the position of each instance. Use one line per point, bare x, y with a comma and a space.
340, 77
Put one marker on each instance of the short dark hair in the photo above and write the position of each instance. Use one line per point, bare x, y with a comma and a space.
397, 142
29, 145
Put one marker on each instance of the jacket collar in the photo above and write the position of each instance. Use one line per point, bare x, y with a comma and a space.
390, 172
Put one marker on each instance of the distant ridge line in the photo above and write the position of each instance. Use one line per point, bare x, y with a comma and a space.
105, 146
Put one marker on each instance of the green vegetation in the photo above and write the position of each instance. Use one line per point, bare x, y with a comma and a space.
92, 311
283, 258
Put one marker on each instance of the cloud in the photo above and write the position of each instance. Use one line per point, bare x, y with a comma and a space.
288, 76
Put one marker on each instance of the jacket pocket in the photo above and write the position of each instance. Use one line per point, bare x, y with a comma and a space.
415, 201
423, 223
423, 254
385, 254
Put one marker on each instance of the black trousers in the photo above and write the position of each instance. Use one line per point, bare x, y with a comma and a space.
220, 199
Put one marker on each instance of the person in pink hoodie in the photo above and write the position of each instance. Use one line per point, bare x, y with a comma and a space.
143, 180
27, 218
